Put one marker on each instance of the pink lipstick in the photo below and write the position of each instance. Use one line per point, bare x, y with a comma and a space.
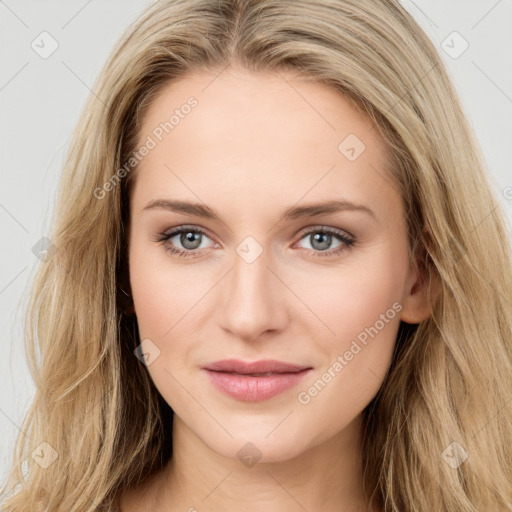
254, 381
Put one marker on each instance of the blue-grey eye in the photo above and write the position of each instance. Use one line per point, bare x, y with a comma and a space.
190, 239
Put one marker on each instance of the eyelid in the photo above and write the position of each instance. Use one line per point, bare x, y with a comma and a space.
326, 228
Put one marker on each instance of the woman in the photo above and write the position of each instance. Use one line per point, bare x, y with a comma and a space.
368, 370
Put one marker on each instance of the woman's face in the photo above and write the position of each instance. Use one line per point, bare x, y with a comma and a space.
263, 271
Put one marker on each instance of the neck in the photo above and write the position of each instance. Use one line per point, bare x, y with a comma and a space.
327, 477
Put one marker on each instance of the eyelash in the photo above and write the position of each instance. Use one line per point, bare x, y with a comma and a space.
347, 241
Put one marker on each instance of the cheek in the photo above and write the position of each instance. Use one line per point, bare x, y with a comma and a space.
361, 304
354, 296
167, 304
172, 303
165, 294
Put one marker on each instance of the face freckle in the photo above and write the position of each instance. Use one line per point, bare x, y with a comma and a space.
245, 180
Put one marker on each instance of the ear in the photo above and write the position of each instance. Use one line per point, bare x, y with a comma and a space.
420, 291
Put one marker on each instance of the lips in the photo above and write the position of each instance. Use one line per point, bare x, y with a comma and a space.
255, 381
267, 366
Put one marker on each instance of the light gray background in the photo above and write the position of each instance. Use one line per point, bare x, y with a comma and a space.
41, 100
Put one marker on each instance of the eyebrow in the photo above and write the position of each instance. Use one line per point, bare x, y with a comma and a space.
291, 213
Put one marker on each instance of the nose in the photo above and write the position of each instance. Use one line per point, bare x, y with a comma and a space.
254, 302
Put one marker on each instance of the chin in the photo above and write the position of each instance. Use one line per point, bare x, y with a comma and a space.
252, 449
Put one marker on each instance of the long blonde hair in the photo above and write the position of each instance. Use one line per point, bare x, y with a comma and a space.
450, 379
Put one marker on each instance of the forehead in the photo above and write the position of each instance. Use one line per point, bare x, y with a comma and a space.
258, 136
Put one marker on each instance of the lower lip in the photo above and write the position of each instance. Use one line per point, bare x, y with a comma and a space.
249, 388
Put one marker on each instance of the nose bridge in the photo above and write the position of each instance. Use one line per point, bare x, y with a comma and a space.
252, 303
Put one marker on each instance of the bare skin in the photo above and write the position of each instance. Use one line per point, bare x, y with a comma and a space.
255, 145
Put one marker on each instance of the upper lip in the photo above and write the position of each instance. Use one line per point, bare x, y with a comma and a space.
263, 366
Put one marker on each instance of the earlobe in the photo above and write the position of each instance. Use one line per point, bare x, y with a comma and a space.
415, 308
420, 290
